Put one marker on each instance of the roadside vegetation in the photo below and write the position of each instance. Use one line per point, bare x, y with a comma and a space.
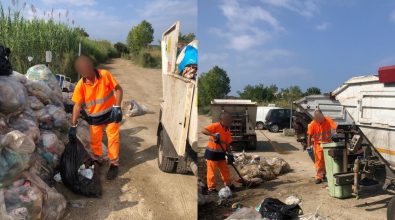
215, 84
140, 49
28, 40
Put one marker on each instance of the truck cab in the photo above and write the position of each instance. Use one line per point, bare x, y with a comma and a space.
177, 128
64, 82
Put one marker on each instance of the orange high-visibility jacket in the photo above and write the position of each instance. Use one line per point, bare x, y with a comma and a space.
225, 137
321, 132
98, 98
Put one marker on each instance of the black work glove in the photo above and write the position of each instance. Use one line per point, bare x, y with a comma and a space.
217, 138
116, 113
230, 158
73, 134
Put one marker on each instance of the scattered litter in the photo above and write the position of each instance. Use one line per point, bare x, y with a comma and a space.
86, 172
80, 203
312, 217
237, 205
225, 193
245, 213
135, 109
293, 200
272, 208
57, 178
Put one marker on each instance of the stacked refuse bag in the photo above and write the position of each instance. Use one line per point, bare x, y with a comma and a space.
33, 136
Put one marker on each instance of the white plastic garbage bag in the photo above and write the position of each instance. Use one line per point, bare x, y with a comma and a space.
43, 73
26, 126
136, 109
225, 193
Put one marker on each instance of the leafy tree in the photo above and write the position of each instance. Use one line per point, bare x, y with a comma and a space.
291, 93
312, 91
186, 38
140, 36
259, 93
215, 84
81, 31
121, 48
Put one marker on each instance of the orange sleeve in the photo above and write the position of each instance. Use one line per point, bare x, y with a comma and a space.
78, 94
212, 128
112, 83
310, 130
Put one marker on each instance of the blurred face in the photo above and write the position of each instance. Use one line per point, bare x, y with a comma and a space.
84, 66
227, 120
318, 117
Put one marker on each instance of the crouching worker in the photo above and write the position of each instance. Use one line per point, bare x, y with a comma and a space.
100, 95
218, 153
320, 131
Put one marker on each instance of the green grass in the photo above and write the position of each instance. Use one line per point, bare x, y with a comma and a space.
34, 37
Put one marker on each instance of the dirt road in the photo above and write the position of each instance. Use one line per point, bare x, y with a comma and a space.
141, 191
371, 205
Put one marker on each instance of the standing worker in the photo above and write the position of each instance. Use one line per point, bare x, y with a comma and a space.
100, 95
218, 149
320, 131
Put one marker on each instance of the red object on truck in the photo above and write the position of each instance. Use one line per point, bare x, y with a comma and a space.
387, 74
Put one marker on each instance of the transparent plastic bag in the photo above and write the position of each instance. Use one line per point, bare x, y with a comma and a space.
52, 117
13, 97
12, 165
34, 103
135, 109
245, 213
19, 142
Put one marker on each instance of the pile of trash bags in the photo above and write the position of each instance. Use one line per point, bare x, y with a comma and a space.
256, 169
33, 136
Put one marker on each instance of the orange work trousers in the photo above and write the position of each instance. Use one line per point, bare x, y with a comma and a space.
212, 167
319, 161
96, 134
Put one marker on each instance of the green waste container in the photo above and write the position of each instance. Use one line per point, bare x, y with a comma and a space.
333, 156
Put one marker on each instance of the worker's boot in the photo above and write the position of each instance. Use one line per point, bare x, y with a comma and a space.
318, 181
112, 172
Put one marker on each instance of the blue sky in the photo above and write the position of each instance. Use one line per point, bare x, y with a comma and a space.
296, 42
112, 19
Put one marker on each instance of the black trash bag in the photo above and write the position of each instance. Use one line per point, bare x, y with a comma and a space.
274, 209
72, 158
5, 65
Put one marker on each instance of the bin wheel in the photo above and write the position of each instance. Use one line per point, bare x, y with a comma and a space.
165, 164
391, 209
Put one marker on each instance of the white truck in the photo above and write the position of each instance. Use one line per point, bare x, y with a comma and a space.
177, 129
64, 82
243, 126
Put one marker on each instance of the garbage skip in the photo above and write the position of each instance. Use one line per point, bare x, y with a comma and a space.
333, 156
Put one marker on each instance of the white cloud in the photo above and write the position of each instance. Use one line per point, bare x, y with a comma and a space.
255, 26
70, 2
213, 57
306, 8
323, 26
241, 16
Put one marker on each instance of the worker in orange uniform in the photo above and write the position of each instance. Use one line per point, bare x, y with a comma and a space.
100, 95
319, 131
217, 153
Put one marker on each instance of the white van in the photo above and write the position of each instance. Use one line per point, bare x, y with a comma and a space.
261, 113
